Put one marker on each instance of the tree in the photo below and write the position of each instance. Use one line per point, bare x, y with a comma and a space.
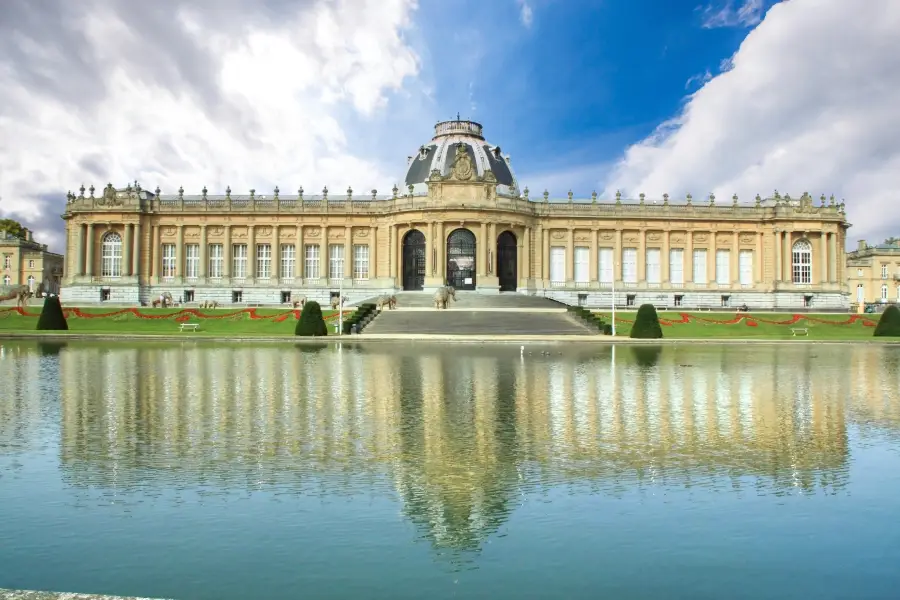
889, 324
311, 322
52, 317
892, 241
646, 323
12, 227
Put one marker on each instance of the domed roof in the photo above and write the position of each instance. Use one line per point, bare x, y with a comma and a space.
451, 138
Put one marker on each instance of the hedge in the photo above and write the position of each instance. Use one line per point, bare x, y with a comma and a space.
311, 322
646, 324
52, 317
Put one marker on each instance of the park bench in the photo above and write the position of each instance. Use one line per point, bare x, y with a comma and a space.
704, 307
795, 331
662, 307
189, 326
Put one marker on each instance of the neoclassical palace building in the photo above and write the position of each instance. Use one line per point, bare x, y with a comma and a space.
460, 219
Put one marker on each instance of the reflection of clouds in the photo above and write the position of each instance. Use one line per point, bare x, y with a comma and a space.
456, 431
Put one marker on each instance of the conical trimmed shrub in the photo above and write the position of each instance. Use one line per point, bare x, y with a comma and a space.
311, 322
889, 324
646, 324
52, 317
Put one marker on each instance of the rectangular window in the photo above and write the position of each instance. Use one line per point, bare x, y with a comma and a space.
653, 266
676, 266
629, 265
700, 266
723, 267
237, 297
745, 266
7, 262
312, 261
264, 261
884, 293
860, 293
582, 264
30, 264
188, 295
557, 264
216, 261
606, 267
168, 261
288, 261
192, 261
336, 261
884, 271
239, 261
679, 299
802, 263
361, 261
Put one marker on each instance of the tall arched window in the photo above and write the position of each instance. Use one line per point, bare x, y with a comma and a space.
111, 255
31, 283
802, 262
884, 293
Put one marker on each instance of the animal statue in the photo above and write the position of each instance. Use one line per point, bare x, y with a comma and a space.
335, 302
299, 303
387, 301
209, 304
21, 293
164, 300
443, 295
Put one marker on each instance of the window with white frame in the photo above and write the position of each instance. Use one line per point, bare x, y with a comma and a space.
723, 267
216, 261
6, 280
30, 264
605, 265
802, 262
884, 271
629, 265
31, 283
336, 261
582, 264
192, 261
264, 261
676, 266
745, 267
168, 261
557, 264
7, 261
361, 261
312, 261
860, 293
700, 266
239, 261
654, 266
884, 293
111, 255
288, 261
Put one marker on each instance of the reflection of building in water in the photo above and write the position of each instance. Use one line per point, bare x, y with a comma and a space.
23, 379
874, 379
458, 433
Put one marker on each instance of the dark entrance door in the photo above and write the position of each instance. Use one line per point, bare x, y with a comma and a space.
507, 261
461, 259
414, 260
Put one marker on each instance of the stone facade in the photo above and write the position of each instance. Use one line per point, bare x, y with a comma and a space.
873, 273
27, 262
128, 245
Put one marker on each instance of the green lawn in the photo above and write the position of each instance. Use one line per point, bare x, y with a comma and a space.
702, 326
240, 321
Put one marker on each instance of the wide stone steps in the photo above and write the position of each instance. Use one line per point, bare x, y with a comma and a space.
476, 322
465, 300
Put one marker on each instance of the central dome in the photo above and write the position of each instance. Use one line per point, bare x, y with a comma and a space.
451, 138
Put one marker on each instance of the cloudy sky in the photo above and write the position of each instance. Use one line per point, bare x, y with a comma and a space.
653, 96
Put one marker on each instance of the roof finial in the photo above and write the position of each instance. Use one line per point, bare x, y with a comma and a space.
457, 115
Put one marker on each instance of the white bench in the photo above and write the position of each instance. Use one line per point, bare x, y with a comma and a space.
189, 326
704, 307
661, 307
795, 331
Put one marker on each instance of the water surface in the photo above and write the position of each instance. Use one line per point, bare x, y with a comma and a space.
414, 470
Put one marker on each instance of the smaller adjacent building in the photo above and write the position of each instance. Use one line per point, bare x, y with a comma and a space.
24, 261
873, 272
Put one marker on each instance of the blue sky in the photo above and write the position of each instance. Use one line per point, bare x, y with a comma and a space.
652, 96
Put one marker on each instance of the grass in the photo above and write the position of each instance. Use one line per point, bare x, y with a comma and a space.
703, 325
231, 321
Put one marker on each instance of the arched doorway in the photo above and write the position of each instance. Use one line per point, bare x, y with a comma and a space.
507, 261
413, 260
461, 259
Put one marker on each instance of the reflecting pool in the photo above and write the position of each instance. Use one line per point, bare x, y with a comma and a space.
201, 471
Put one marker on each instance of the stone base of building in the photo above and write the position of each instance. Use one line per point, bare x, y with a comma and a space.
722, 300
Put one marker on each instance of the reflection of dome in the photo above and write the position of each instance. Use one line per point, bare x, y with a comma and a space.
440, 154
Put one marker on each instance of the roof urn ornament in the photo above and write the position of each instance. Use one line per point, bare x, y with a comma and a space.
157, 191
394, 191
712, 199
690, 199
594, 197
570, 195
252, 194
204, 191
618, 197
349, 193
181, 192
546, 196
411, 188
665, 199
734, 200
277, 192
642, 196
374, 195
758, 200
91, 189
325, 193
228, 193
831, 200
81, 191
822, 200
300, 193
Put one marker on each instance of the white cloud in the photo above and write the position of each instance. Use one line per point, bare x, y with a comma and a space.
526, 13
808, 105
745, 14
115, 91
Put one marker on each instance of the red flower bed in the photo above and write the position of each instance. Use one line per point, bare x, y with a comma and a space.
755, 320
178, 316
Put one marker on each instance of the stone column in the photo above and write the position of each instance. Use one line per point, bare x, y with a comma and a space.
227, 253
136, 251
276, 253
833, 260
89, 259
80, 257
687, 265
155, 261
127, 246
594, 260
251, 252
642, 257
735, 260
570, 257
758, 258
617, 258
441, 244
393, 250
787, 258
482, 252
823, 250
299, 254
429, 250
664, 260
204, 253
545, 255
348, 252
711, 258
373, 252
179, 252
324, 259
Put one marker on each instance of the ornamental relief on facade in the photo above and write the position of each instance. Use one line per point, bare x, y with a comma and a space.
192, 232
700, 237
264, 232
312, 232
216, 231
169, 232
747, 240
558, 235
581, 237
607, 235
654, 236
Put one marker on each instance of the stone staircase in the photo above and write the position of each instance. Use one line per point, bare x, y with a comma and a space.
477, 314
